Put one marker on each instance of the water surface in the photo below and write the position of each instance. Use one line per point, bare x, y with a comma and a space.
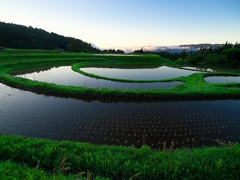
64, 75
190, 123
159, 73
222, 79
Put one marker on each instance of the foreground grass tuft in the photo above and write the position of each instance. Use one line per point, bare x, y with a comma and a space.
29, 157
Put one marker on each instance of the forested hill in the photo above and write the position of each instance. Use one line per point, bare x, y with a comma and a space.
23, 37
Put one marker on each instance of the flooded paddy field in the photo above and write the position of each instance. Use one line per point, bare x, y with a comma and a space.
64, 75
187, 123
160, 73
222, 79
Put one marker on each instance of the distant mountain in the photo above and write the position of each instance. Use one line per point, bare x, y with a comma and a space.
23, 37
171, 49
176, 49
187, 47
204, 45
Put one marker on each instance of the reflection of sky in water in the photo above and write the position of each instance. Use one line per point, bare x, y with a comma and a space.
31, 115
160, 73
66, 76
222, 79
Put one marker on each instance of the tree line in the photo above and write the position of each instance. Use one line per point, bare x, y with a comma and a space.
227, 55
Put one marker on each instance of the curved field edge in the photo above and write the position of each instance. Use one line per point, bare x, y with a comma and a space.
114, 162
194, 87
76, 67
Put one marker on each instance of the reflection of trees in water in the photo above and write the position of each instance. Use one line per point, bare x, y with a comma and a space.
204, 69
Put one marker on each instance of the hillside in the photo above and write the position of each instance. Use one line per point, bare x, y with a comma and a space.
23, 37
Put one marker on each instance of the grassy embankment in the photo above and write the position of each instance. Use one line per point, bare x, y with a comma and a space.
194, 86
34, 158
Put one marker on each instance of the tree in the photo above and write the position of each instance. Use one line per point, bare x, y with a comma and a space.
139, 51
183, 54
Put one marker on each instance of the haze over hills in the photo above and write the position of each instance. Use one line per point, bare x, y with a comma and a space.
172, 49
176, 49
204, 45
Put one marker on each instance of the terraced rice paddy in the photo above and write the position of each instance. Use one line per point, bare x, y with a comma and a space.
66, 76
189, 123
98, 119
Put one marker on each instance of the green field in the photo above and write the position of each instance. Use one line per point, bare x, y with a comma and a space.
194, 87
32, 158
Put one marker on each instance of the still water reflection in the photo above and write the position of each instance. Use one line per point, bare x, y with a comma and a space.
192, 123
159, 73
66, 76
222, 79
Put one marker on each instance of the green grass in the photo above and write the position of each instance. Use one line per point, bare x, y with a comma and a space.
10, 171
31, 157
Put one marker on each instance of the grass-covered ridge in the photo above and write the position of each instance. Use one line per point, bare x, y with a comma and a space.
20, 61
52, 159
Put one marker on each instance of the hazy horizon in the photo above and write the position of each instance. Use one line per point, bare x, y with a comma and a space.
131, 24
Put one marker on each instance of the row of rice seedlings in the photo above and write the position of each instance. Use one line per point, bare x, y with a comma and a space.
129, 132
69, 120
122, 126
155, 132
144, 113
170, 126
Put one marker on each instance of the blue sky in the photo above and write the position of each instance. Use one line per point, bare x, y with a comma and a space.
130, 23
